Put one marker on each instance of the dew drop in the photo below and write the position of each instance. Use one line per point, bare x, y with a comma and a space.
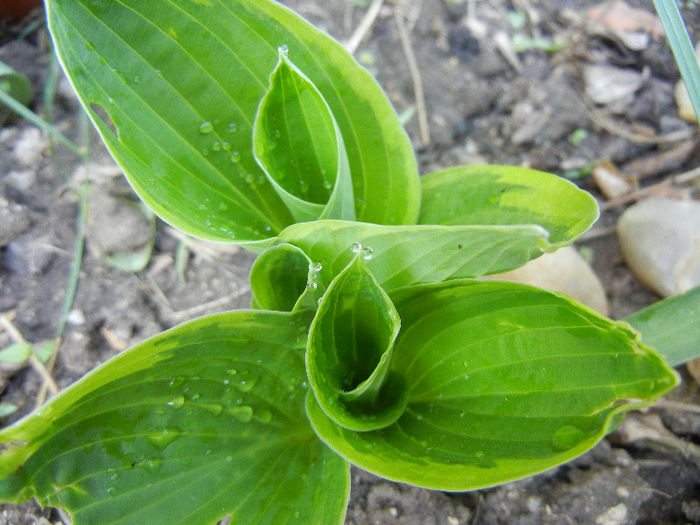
164, 438
232, 371
137, 79
232, 127
242, 413
327, 184
356, 247
313, 285
216, 146
206, 127
226, 146
176, 381
177, 402
229, 459
246, 385
235, 156
466, 377
317, 267
214, 409
367, 254
278, 133
283, 50
111, 491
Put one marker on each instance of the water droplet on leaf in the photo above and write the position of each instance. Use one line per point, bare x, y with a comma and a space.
163, 438
356, 247
242, 413
177, 402
206, 128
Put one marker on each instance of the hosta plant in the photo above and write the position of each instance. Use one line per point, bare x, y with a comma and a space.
369, 341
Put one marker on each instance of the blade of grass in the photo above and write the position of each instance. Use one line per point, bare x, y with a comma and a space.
78, 248
35, 119
682, 49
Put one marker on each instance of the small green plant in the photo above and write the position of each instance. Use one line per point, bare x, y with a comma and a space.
368, 342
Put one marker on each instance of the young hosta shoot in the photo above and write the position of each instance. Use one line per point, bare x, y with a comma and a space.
368, 341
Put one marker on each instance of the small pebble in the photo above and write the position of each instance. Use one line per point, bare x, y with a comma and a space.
660, 241
606, 84
616, 515
29, 146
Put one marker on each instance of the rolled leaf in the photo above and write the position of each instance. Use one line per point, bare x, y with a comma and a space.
349, 352
504, 380
406, 255
298, 144
203, 421
507, 195
173, 89
282, 277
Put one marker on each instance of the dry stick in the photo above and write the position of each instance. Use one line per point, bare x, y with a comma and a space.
37, 365
613, 128
415, 76
683, 178
364, 27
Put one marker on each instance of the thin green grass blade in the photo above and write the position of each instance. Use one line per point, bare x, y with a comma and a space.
672, 326
682, 49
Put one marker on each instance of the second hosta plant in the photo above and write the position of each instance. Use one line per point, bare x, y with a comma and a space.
369, 341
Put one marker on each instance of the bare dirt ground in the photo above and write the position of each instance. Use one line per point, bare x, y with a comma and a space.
478, 81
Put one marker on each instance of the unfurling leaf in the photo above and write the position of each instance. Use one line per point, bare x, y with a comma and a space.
349, 353
298, 144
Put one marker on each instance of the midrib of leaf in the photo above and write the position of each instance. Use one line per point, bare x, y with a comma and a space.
425, 397
480, 342
228, 182
426, 321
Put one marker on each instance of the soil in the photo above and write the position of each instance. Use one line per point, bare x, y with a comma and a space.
530, 109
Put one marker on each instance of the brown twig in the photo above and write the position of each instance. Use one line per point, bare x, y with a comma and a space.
37, 365
683, 178
423, 125
614, 128
365, 25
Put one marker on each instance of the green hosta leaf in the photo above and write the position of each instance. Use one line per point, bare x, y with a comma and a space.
203, 421
280, 276
173, 88
505, 381
507, 195
671, 326
298, 144
349, 352
406, 255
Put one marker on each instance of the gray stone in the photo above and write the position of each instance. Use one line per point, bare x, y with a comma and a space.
660, 240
